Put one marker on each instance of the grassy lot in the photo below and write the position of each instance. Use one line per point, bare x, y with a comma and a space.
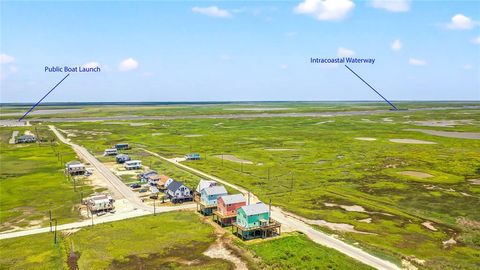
32, 182
167, 241
302, 163
299, 252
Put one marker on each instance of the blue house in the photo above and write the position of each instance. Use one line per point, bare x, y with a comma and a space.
210, 195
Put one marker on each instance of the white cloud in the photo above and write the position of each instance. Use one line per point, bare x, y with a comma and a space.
326, 10
460, 22
91, 65
5, 58
476, 40
212, 11
396, 45
416, 62
392, 5
343, 52
128, 64
283, 66
467, 66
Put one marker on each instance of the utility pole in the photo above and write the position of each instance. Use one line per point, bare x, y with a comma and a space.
154, 208
55, 232
268, 174
50, 213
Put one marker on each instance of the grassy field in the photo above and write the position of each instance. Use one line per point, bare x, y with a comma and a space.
299, 252
167, 241
302, 163
32, 182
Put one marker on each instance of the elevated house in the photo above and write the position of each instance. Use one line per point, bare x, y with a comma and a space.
143, 176
75, 168
110, 152
201, 185
153, 179
164, 181
122, 146
178, 192
133, 164
208, 199
99, 203
27, 138
253, 221
227, 207
194, 156
122, 158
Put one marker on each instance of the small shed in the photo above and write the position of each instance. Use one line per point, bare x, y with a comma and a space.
99, 203
122, 146
110, 152
133, 165
122, 158
143, 176
178, 192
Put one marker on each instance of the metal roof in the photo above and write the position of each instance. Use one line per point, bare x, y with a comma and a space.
215, 190
174, 186
235, 198
255, 209
205, 184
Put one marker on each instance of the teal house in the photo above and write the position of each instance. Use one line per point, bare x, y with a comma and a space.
253, 215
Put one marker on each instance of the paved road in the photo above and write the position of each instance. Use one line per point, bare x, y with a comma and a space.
240, 115
290, 220
98, 220
114, 184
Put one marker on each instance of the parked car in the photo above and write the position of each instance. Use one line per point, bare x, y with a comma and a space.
136, 185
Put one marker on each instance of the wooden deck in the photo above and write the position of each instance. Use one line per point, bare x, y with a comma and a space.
224, 220
206, 210
272, 229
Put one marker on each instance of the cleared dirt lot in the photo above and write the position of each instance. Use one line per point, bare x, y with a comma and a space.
449, 134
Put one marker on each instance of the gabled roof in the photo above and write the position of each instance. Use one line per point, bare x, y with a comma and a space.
255, 209
235, 198
121, 156
215, 190
205, 184
174, 186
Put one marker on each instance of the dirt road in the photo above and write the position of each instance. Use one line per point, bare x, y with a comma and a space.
289, 220
114, 184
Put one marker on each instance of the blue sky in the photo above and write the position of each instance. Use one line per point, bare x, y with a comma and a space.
215, 51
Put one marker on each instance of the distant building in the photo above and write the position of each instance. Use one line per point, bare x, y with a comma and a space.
143, 176
164, 181
227, 207
122, 146
110, 152
133, 164
205, 184
192, 156
99, 203
26, 139
178, 192
122, 158
75, 168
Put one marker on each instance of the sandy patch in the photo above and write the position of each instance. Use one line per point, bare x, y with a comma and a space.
450, 134
193, 135
219, 251
411, 141
234, 159
449, 242
365, 139
429, 225
258, 109
442, 123
387, 119
421, 175
279, 149
157, 134
349, 208
474, 181
342, 227
366, 220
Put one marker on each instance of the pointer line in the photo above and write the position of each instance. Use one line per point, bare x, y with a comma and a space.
395, 108
36, 104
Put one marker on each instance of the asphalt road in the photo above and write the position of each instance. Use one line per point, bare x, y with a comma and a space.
289, 220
